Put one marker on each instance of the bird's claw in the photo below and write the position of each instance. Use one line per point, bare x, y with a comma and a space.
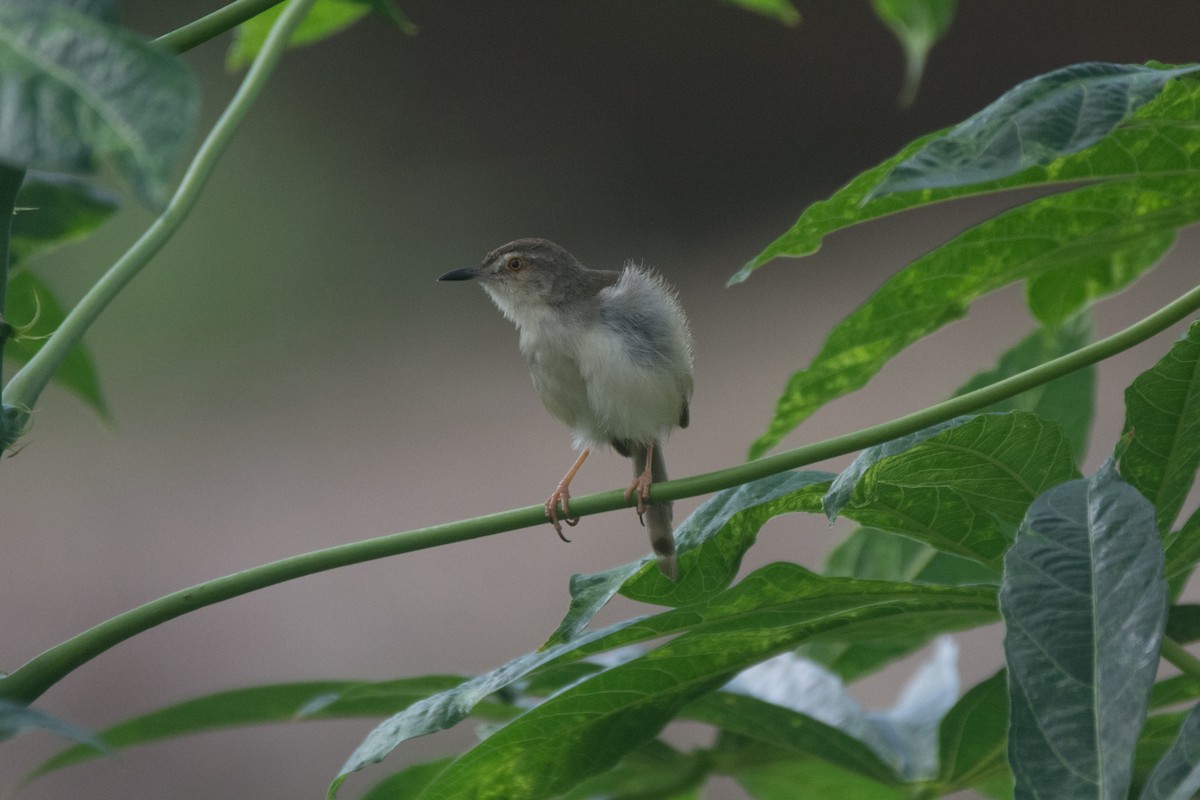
560, 498
641, 488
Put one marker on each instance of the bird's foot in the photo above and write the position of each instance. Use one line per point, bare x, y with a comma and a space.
641, 489
560, 498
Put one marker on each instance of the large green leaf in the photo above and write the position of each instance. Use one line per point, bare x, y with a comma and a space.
1156, 140
326, 18
711, 543
963, 490
78, 88
1034, 124
918, 24
1084, 601
35, 314
1162, 429
1177, 776
652, 771
1114, 232
590, 725
257, 705
1068, 400
408, 783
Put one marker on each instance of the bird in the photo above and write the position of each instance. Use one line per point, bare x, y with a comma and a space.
610, 354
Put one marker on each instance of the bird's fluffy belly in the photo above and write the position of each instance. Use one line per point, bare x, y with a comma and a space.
591, 383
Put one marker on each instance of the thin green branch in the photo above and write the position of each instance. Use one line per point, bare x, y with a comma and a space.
213, 25
32, 679
27, 384
1175, 653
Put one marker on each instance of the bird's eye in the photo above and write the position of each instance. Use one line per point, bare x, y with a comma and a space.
515, 264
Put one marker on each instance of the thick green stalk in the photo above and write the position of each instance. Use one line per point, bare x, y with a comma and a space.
32, 679
213, 25
1174, 652
27, 384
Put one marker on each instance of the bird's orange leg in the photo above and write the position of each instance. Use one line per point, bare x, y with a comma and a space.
561, 496
641, 485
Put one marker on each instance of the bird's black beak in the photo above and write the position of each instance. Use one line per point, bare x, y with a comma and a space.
464, 274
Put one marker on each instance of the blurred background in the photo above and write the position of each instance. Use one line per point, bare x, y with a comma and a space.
287, 375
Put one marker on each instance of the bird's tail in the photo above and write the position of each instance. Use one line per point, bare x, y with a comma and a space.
658, 515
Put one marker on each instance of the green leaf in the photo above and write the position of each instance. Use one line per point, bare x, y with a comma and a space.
408, 783
652, 771
973, 736
963, 490
816, 779
918, 24
1084, 602
256, 705
710, 542
54, 209
1162, 426
588, 726
791, 731
1158, 734
1177, 776
1157, 140
780, 10
326, 18
35, 313
873, 554
1183, 548
1035, 123
1068, 400
78, 88
905, 737
1105, 228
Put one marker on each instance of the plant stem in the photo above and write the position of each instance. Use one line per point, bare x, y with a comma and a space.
36, 676
1174, 652
213, 25
27, 384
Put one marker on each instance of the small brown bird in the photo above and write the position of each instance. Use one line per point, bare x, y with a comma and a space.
611, 356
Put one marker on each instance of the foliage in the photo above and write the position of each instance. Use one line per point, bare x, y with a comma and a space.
973, 519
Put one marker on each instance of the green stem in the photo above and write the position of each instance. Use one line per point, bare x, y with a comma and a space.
213, 25
1174, 652
36, 676
27, 384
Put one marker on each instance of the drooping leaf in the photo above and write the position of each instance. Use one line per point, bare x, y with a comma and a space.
588, 726
326, 18
1177, 776
35, 313
917, 24
54, 209
965, 489
78, 89
1068, 400
974, 735
780, 10
257, 705
1156, 140
1100, 228
1162, 428
710, 542
1084, 602
1034, 124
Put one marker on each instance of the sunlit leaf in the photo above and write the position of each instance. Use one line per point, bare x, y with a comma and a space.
326, 18
1084, 604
